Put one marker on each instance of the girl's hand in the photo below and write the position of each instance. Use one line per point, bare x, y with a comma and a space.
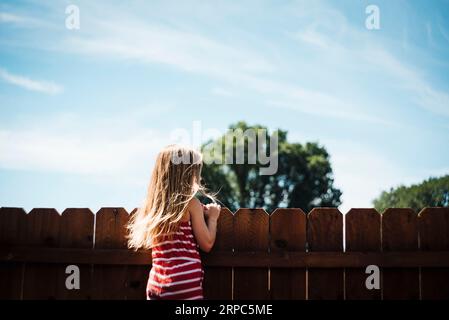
212, 210
204, 223
205, 210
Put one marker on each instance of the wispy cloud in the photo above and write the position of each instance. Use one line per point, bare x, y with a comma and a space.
430, 34
373, 53
149, 43
19, 20
312, 37
421, 91
30, 84
218, 91
257, 66
328, 107
443, 31
10, 18
194, 52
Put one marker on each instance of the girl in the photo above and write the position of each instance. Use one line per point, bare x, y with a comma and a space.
174, 224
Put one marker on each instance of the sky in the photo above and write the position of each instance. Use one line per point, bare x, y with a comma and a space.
83, 112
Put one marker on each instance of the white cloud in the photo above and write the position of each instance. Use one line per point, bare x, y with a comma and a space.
430, 34
194, 52
10, 18
30, 84
443, 31
110, 147
67, 142
314, 38
420, 90
362, 174
150, 43
96, 154
369, 51
221, 92
327, 106
20, 20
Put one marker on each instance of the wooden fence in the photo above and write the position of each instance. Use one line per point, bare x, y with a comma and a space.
283, 255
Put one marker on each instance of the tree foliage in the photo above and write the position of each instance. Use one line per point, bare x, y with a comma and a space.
303, 180
433, 192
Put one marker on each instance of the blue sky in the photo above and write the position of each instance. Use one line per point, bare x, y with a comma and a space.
83, 112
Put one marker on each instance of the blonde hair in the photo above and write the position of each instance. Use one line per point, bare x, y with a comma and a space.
175, 180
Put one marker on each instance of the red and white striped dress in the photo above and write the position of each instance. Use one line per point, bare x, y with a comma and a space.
176, 273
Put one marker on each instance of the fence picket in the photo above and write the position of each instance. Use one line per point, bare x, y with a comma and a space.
325, 233
400, 233
41, 229
76, 231
434, 236
110, 233
218, 280
251, 232
363, 235
11, 273
288, 233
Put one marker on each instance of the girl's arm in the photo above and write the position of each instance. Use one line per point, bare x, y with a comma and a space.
204, 230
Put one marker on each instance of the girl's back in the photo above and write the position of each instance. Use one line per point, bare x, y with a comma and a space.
177, 272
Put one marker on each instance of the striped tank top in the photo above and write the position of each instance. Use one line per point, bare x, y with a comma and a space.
176, 272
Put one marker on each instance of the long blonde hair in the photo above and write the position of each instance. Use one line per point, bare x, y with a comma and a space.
175, 180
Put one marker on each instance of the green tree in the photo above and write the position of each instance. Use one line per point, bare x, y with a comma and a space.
303, 180
433, 192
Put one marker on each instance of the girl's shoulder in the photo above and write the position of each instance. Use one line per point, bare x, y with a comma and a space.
193, 205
